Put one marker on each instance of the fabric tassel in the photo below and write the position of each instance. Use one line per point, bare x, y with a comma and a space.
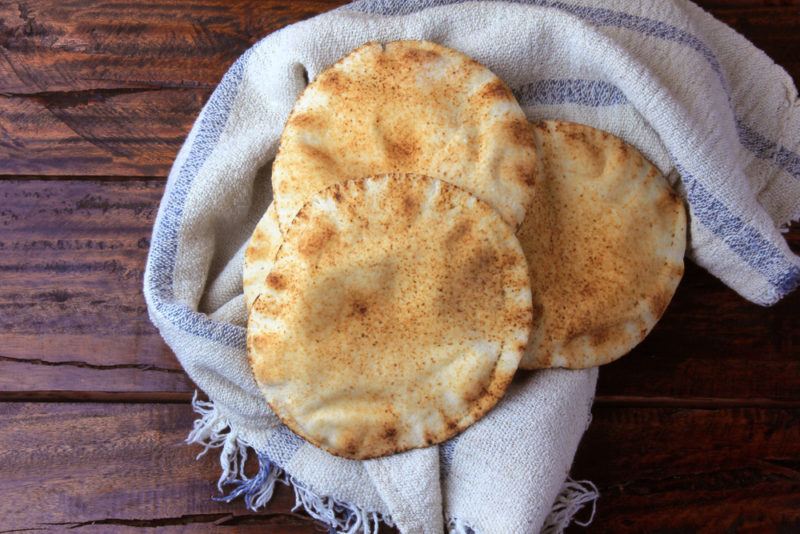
573, 497
212, 431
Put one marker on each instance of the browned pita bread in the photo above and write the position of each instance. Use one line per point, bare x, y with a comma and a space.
605, 240
394, 317
407, 106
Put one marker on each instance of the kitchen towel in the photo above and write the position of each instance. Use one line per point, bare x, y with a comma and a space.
714, 113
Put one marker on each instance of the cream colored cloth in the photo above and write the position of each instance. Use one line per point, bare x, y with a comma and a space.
702, 103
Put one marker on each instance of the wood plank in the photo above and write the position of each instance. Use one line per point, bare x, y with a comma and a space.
748, 500
74, 45
722, 5
713, 343
113, 89
679, 469
203, 524
654, 443
96, 133
69, 46
72, 317
123, 466
117, 467
688, 470
72, 314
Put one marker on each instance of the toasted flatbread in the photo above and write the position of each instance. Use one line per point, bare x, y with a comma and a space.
394, 316
407, 106
260, 254
605, 240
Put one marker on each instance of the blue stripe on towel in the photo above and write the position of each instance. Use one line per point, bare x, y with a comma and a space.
599, 16
597, 93
282, 445
447, 452
763, 148
593, 93
758, 252
780, 156
216, 112
165, 239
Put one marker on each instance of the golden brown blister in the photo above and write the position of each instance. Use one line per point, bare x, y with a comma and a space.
407, 106
394, 317
605, 240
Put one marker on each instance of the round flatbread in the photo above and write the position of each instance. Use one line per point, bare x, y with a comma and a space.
605, 239
260, 254
407, 106
394, 317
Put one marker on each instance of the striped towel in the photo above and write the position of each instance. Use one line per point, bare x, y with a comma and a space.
710, 110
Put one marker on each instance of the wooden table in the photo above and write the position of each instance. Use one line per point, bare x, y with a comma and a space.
698, 430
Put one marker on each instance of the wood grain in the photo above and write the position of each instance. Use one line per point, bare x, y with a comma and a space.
78, 46
713, 343
96, 133
690, 470
124, 465
114, 89
72, 314
696, 431
103, 467
71, 46
73, 319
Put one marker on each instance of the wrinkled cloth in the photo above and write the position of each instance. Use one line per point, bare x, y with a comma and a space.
711, 111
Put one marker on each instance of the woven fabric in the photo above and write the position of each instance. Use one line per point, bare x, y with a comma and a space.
710, 110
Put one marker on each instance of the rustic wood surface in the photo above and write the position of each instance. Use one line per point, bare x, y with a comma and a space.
698, 430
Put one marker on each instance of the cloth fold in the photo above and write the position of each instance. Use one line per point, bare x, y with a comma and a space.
716, 115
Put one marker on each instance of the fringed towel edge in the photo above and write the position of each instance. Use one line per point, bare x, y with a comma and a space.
213, 431
573, 497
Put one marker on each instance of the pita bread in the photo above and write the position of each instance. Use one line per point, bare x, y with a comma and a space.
394, 317
260, 254
605, 240
407, 106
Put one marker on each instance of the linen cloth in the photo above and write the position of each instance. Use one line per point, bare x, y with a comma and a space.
715, 114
